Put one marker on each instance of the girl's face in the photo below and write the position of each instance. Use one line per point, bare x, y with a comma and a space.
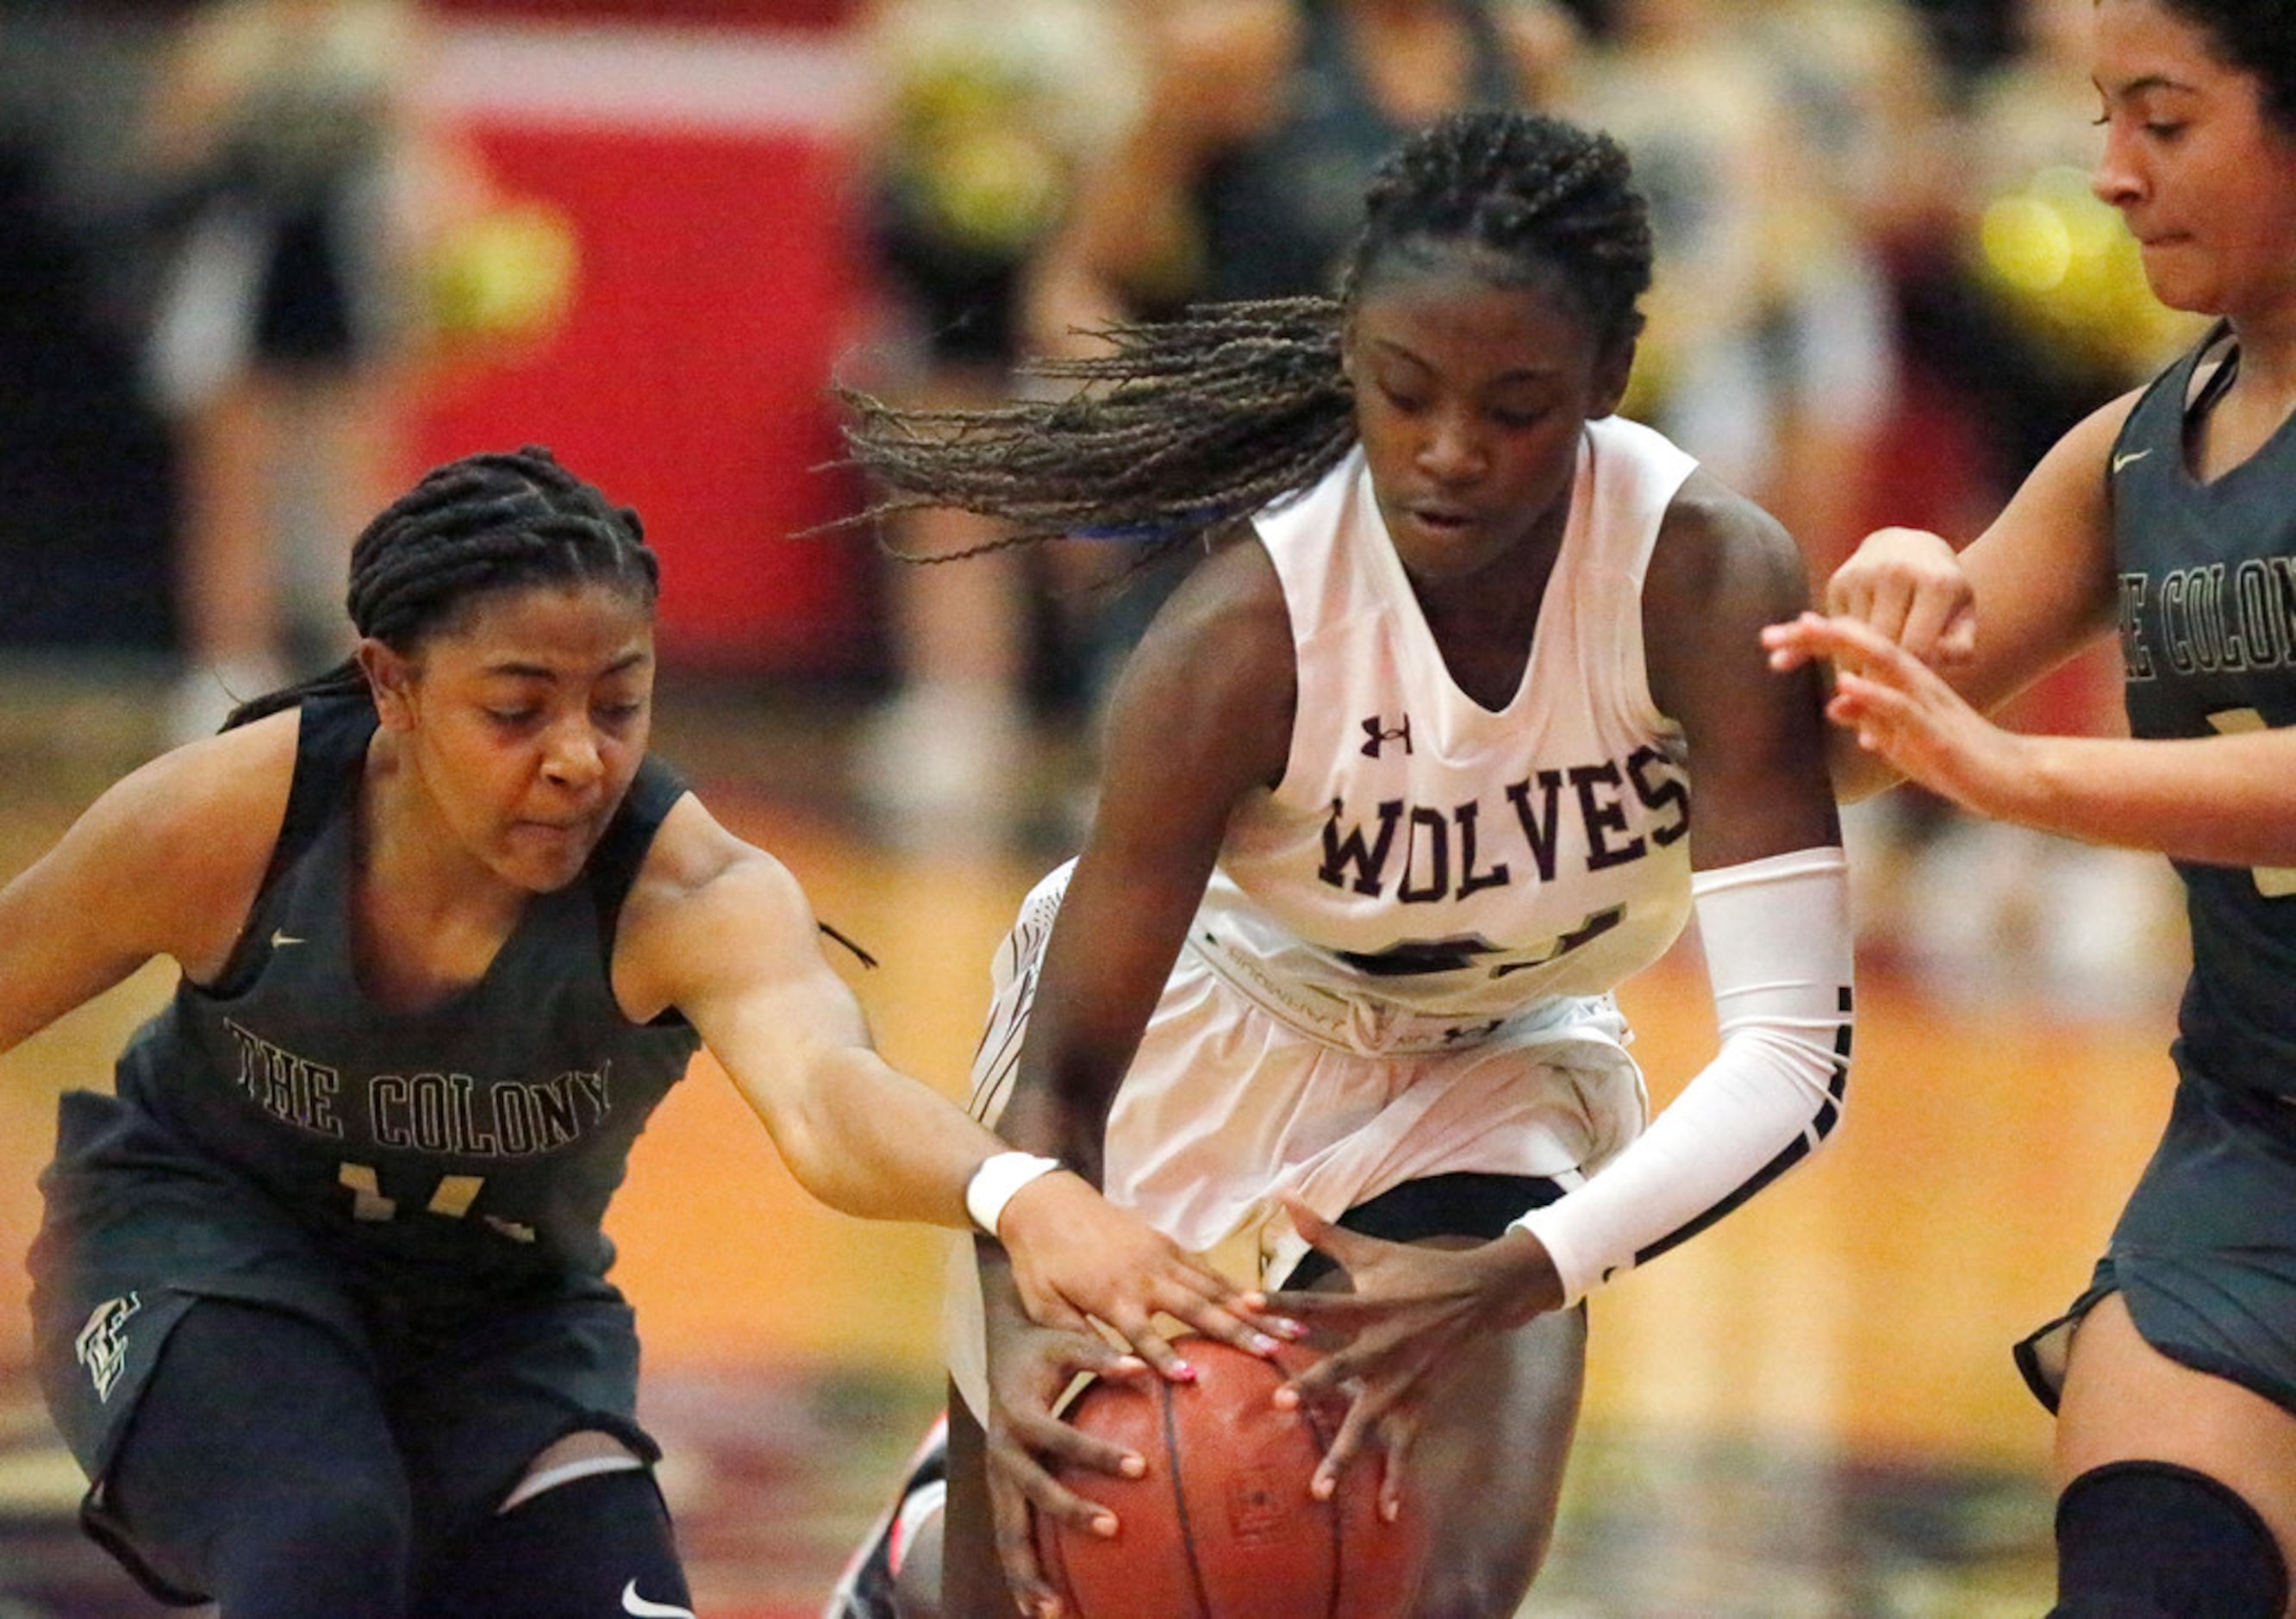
525, 723
1470, 400
2206, 182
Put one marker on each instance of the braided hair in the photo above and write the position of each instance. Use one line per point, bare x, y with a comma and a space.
1187, 423
498, 521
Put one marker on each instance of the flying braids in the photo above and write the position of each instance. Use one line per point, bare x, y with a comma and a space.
1184, 425
491, 522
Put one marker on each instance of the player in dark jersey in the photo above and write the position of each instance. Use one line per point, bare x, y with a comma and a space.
2169, 516
320, 1298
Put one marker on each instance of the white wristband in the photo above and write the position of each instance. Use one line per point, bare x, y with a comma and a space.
993, 1184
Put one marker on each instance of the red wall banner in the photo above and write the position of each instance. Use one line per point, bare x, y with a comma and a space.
704, 175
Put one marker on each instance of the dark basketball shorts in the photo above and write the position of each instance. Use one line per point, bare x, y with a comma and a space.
137, 1233
2205, 1254
1460, 1204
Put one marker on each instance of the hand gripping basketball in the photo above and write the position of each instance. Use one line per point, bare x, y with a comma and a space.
1222, 1526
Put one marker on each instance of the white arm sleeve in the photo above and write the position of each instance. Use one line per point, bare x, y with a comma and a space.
1777, 942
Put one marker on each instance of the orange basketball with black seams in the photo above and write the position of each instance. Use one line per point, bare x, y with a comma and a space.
1222, 1527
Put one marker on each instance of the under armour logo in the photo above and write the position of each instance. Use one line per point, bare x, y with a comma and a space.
1377, 736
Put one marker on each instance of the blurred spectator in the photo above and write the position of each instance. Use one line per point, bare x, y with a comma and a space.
1862, 93
1770, 349
302, 177
2034, 304
990, 108
86, 483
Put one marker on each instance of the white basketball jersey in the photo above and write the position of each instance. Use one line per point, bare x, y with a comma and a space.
1424, 858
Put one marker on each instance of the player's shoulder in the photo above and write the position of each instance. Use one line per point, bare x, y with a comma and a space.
1715, 541
1214, 678
699, 878
175, 851
708, 907
2067, 493
211, 801
1230, 608
693, 849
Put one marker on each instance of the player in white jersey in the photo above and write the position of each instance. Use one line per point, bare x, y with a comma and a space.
1461, 719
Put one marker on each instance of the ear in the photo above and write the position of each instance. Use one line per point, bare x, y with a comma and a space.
390, 682
1612, 372
1347, 347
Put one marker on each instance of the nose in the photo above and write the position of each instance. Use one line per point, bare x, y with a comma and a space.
2115, 181
571, 758
1453, 452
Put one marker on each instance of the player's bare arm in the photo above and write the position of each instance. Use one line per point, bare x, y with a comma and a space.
2026, 594
2043, 570
2029, 592
166, 862
1201, 717
722, 932
2222, 800
1723, 568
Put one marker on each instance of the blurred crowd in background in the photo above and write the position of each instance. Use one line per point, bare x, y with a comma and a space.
242, 241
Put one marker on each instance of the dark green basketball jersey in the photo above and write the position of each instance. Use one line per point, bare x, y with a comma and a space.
2207, 638
476, 1140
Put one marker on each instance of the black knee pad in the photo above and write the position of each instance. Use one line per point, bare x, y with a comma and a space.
599, 1545
2149, 1540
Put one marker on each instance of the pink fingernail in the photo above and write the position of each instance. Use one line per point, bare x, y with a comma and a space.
1104, 1526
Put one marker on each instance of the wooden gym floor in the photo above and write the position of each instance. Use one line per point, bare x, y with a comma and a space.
1809, 1411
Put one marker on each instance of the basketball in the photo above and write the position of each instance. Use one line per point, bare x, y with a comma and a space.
1222, 1526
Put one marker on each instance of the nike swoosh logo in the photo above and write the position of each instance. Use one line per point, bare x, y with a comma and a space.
281, 937
632, 1603
2135, 455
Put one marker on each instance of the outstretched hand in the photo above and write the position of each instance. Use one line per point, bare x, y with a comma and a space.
1907, 586
1078, 1259
1901, 710
1397, 1340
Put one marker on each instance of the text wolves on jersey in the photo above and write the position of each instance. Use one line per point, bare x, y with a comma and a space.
1442, 840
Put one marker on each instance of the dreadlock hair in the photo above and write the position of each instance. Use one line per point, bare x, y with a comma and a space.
498, 521
1187, 423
